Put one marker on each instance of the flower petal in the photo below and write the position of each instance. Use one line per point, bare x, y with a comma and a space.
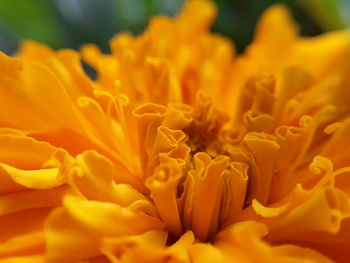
75, 230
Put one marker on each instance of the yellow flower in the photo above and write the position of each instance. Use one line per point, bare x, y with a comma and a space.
180, 150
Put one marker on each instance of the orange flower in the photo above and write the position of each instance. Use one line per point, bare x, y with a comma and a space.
180, 150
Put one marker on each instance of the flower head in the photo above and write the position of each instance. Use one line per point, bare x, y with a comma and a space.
180, 150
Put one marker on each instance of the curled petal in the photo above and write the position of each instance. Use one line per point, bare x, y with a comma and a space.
179, 116
208, 178
149, 117
163, 186
234, 192
264, 151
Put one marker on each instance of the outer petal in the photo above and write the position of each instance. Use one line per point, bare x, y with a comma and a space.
21, 232
75, 231
25, 259
206, 253
275, 29
26, 100
19, 153
32, 243
95, 177
148, 247
28, 191
243, 243
307, 214
42, 99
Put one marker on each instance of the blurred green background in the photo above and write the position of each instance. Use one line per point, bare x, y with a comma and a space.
70, 23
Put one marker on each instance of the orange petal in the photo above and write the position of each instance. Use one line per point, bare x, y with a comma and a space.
25, 97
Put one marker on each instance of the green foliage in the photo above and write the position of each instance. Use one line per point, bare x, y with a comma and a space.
69, 23
326, 12
33, 19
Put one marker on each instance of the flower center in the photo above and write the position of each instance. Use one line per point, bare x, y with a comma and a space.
192, 179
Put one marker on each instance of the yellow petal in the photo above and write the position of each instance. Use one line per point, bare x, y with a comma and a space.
28, 244
29, 199
275, 29
135, 248
35, 179
163, 186
24, 152
264, 153
13, 225
75, 231
207, 253
24, 94
208, 178
243, 242
95, 178
34, 50
25, 259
